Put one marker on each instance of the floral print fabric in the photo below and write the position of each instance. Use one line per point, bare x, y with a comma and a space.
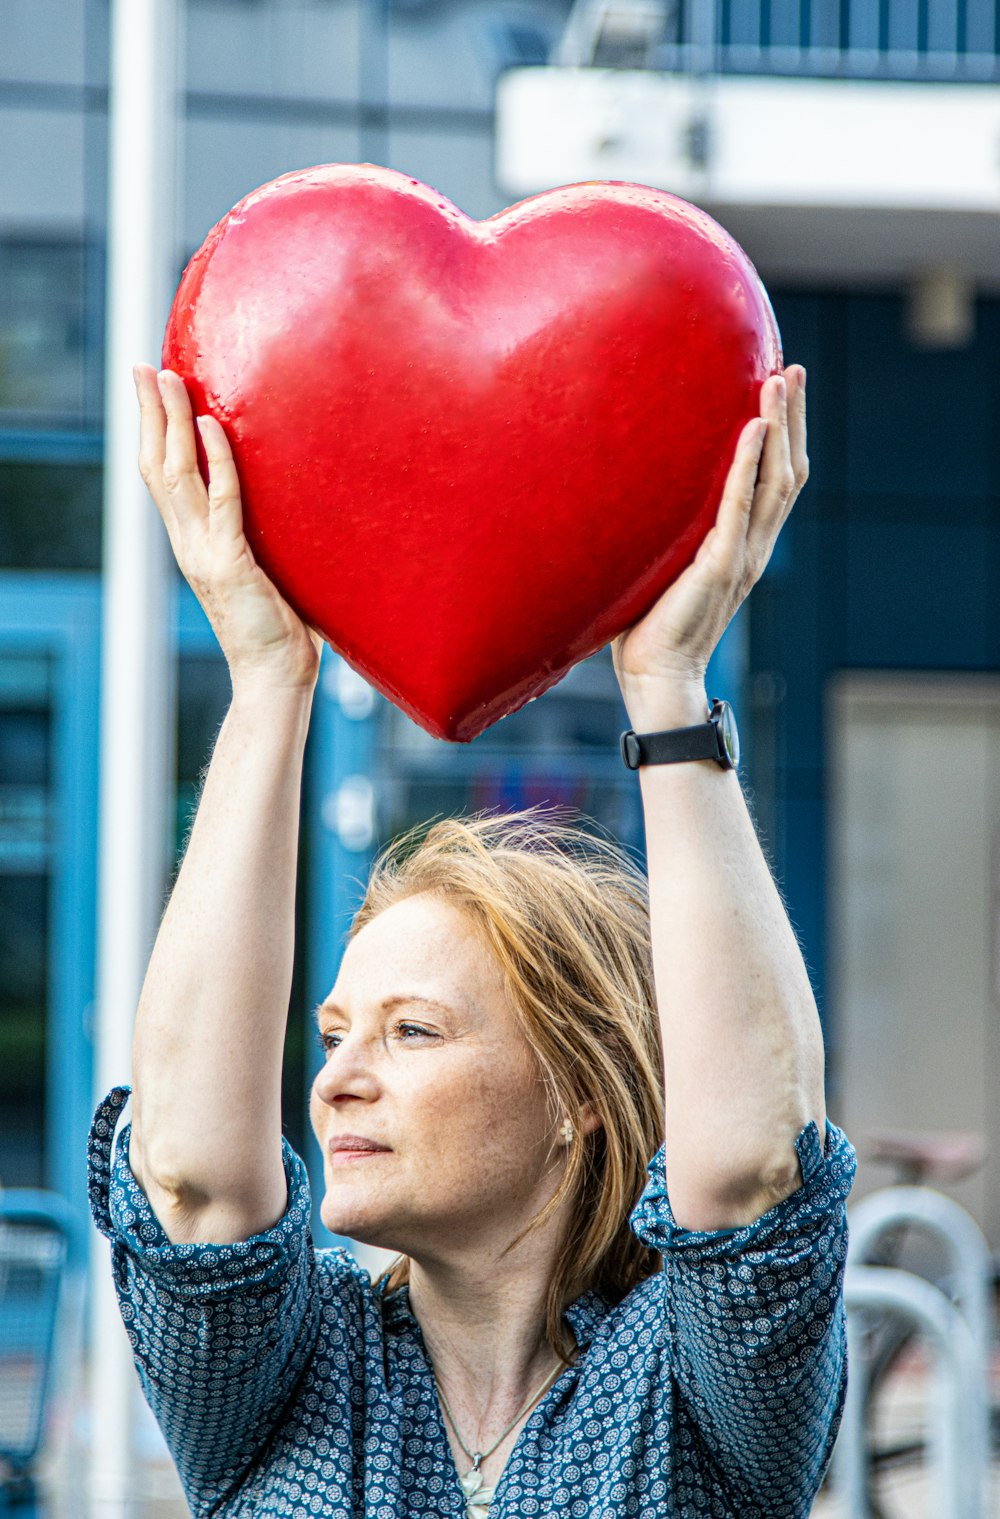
287, 1385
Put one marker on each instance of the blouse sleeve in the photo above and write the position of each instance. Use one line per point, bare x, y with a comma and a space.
220, 1333
755, 1322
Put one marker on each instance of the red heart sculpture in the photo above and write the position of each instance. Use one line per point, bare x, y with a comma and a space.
472, 452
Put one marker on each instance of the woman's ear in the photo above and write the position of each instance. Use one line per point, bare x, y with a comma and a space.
588, 1120
585, 1121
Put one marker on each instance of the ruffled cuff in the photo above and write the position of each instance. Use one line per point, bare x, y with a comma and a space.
122, 1213
827, 1177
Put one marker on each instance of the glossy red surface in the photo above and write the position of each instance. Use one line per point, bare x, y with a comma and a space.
472, 452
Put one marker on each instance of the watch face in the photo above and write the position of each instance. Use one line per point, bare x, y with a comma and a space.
725, 721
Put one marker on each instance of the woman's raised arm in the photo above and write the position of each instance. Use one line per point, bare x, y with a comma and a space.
743, 1052
206, 1131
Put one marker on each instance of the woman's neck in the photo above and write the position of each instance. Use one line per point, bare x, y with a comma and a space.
486, 1342
484, 1327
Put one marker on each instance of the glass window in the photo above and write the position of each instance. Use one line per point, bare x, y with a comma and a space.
42, 330
44, 41
23, 989
25, 834
558, 751
50, 516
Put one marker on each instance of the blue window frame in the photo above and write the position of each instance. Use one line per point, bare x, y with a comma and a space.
52, 623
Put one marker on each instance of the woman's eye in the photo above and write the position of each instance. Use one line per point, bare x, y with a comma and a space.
414, 1028
329, 1040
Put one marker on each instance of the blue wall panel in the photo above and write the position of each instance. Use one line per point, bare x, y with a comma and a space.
889, 561
918, 423
917, 594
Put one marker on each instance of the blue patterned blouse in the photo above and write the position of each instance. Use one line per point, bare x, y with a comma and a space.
287, 1385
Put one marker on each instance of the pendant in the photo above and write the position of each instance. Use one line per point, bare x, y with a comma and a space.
477, 1497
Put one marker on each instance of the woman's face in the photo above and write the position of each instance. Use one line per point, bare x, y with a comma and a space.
425, 1057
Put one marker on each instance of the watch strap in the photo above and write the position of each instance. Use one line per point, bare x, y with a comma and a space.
700, 742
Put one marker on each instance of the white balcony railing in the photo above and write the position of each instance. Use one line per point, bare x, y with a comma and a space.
868, 39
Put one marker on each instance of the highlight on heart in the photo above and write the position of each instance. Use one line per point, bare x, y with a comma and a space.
471, 453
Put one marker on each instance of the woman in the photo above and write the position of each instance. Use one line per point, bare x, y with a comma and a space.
488, 1104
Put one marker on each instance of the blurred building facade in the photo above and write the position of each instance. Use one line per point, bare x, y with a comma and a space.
865, 669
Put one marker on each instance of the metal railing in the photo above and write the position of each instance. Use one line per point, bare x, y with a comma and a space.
942, 40
40, 1319
951, 1317
955, 1453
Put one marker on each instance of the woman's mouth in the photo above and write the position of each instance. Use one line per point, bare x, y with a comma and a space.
350, 1147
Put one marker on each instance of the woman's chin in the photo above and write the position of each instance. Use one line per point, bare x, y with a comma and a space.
352, 1223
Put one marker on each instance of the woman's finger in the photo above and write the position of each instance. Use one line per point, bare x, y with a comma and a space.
776, 480
225, 510
728, 537
795, 378
181, 478
152, 431
797, 432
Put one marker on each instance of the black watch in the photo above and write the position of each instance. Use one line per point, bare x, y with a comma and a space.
716, 739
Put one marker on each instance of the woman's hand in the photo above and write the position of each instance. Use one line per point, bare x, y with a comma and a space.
266, 643
661, 661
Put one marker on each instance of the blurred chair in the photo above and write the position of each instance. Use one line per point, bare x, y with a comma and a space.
40, 1242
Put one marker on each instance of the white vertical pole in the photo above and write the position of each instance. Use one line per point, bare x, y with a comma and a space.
137, 728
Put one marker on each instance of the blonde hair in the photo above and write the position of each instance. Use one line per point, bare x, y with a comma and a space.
567, 917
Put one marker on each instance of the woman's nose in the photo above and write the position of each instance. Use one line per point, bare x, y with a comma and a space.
348, 1071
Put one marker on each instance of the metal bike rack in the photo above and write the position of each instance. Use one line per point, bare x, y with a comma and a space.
957, 1328
40, 1316
955, 1445
968, 1254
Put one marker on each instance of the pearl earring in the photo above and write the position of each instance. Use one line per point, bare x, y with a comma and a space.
568, 1131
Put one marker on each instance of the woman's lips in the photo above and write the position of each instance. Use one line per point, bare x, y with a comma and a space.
351, 1148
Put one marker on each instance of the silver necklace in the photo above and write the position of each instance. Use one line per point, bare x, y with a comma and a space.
477, 1497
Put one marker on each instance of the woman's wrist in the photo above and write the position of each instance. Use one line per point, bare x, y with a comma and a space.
269, 696
655, 703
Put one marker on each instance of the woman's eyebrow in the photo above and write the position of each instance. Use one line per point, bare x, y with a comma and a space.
389, 1004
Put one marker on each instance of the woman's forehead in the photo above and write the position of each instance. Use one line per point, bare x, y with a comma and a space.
421, 946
